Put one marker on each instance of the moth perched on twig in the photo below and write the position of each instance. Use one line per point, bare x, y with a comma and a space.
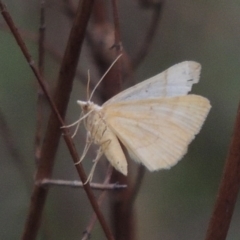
155, 120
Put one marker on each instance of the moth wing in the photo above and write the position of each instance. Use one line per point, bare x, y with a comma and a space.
156, 132
175, 81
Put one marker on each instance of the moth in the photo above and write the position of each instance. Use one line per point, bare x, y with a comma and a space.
155, 120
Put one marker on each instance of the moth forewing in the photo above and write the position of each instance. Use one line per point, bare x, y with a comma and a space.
103, 136
175, 81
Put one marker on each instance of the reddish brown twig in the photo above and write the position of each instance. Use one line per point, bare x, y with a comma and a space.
228, 191
62, 94
133, 191
123, 221
41, 38
78, 184
41, 97
93, 218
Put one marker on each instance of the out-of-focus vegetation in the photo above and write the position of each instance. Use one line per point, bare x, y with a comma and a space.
174, 204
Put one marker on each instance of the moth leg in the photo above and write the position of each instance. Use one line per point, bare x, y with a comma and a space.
89, 140
99, 154
76, 129
85, 150
74, 123
90, 176
78, 122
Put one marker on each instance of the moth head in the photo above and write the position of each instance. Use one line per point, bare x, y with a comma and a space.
85, 106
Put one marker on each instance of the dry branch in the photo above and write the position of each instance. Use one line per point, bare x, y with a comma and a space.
228, 191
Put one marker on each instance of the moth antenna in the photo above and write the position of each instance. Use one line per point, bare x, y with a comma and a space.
88, 84
104, 75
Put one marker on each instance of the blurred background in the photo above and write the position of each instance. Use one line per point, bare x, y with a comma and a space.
174, 204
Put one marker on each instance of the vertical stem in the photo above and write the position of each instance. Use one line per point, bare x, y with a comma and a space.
41, 97
123, 216
228, 191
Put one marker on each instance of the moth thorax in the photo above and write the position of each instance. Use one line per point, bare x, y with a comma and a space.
93, 121
96, 126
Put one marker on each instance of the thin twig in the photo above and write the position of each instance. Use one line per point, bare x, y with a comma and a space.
133, 191
77, 184
228, 191
41, 39
123, 221
93, 218
114, 79
53, 134
117, 43
117, 35
101, 40
41, 97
